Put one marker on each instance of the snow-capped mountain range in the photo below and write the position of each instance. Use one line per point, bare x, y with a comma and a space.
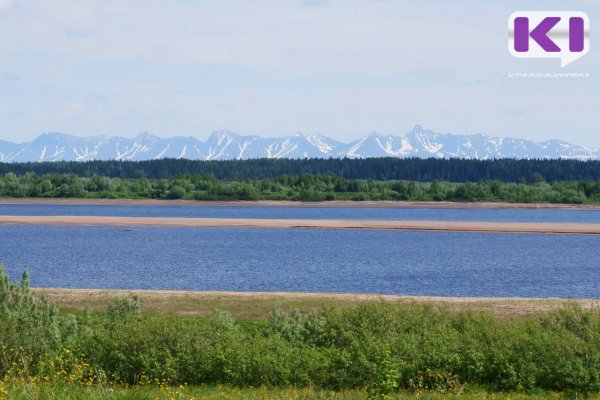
225, 145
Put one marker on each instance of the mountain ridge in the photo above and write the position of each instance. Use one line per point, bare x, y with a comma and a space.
226, 145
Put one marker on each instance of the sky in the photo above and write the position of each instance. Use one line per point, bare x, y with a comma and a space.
341, 68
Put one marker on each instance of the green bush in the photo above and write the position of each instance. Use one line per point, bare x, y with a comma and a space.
29, 330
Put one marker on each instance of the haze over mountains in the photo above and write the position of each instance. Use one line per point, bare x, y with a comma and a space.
225, 145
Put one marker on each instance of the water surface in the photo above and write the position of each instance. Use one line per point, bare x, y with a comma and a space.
410, 214
390, 262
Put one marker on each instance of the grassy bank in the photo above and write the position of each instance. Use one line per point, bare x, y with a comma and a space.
259, 305
374, 348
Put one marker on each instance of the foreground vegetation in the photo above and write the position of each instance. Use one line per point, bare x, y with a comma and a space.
375, 349
300, 188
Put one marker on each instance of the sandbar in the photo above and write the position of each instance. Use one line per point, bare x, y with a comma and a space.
307, 204
432, 226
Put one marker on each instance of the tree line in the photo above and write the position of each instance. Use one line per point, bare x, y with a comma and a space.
409, 169
305, 187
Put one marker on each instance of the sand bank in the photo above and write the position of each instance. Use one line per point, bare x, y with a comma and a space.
434, 226
325, 204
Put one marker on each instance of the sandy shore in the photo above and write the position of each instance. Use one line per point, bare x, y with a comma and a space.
434, 226
259, 304
323, 204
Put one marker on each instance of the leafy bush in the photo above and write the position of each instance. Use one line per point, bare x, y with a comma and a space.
28, 329
123, 311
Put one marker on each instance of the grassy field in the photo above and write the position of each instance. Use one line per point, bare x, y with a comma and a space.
258, 305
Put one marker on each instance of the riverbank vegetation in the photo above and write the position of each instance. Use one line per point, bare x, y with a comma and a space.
298, 188
375, 349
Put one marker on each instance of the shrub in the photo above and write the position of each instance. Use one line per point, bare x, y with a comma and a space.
28, 329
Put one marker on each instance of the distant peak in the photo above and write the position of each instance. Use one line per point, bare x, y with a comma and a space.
145, 135
223, 133
417, 129
54, 136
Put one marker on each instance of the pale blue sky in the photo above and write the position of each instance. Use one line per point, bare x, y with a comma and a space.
338, 68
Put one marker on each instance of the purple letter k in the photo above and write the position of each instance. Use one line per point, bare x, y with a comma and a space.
539, 34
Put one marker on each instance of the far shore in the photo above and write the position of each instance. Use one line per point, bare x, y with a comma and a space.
308, 204
259, 304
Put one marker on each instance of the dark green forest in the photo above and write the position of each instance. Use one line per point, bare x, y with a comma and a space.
409, 169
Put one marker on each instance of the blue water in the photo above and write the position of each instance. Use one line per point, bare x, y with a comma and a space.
418, 214
392, 262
